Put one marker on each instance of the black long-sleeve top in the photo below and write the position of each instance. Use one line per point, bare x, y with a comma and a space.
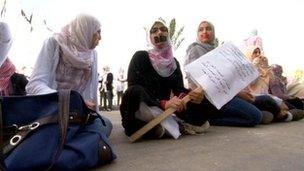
141, 72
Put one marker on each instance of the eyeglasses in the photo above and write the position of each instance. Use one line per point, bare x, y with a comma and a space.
155, 29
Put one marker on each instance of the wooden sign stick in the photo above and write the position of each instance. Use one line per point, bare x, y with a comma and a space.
135, 136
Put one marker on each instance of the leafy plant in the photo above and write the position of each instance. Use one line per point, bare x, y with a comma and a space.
27, 18
299, 75
175, 36
175, 33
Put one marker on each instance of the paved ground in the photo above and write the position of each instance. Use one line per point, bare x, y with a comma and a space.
267, 147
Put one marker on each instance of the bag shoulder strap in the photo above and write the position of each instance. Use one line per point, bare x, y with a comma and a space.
63, 120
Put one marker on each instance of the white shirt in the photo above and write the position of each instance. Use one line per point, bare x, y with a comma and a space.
42, 80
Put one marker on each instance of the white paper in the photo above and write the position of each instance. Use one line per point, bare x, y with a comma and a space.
147, 113
222, 73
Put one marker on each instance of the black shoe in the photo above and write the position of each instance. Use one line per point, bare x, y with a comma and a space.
159, 131
267, 117
297, 114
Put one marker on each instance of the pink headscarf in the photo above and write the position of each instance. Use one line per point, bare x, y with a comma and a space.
162, 58
6, 71
75, 41
74, 69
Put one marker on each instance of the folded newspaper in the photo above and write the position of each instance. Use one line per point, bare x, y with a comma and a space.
222, 73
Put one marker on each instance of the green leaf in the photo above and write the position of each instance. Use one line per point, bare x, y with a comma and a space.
172, 28
178, 43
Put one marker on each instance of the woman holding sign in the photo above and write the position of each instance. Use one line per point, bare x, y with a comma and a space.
238, 111
155, 83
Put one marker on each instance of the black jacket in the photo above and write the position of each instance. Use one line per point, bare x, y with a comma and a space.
19, 81
109, 83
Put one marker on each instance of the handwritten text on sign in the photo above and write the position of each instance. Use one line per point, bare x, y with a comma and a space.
223, 72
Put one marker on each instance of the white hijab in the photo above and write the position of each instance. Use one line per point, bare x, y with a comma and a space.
5, 41
74, 69
75, 41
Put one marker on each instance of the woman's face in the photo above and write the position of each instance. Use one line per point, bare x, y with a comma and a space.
96, 38
205, 32
159, 35
278, 70
256, 53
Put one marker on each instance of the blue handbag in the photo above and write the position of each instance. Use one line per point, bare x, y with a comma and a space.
51, 132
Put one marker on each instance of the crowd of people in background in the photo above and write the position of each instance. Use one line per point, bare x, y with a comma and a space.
106, 89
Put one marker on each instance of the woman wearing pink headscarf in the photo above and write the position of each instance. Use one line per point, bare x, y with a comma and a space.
11, 83
152, 76
68, 60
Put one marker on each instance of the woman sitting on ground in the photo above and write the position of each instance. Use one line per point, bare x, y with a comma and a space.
277, 87
68, 60
282, 111
152, 76
237, 112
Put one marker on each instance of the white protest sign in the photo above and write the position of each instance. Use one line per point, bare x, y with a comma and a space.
222, 73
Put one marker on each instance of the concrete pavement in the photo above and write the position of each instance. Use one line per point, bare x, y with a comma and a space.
277, 147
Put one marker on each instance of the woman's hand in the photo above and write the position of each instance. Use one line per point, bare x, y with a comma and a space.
90, 104
246, 95
196, 96
175, 103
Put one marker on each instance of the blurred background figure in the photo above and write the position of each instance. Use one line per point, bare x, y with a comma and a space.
106, 89
102, 94
120, 86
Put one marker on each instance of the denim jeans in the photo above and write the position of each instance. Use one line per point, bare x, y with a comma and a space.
107, 129
237, 112
267, 103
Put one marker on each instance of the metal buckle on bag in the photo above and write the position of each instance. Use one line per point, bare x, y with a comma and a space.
15, 139
31, 126
34, 125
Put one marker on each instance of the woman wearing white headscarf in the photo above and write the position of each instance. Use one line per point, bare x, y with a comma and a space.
11, 83
68, 60
152, 76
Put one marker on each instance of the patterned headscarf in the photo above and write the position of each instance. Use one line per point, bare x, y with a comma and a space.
162, 58
277, 70
6, 71
75, 41
75, 65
